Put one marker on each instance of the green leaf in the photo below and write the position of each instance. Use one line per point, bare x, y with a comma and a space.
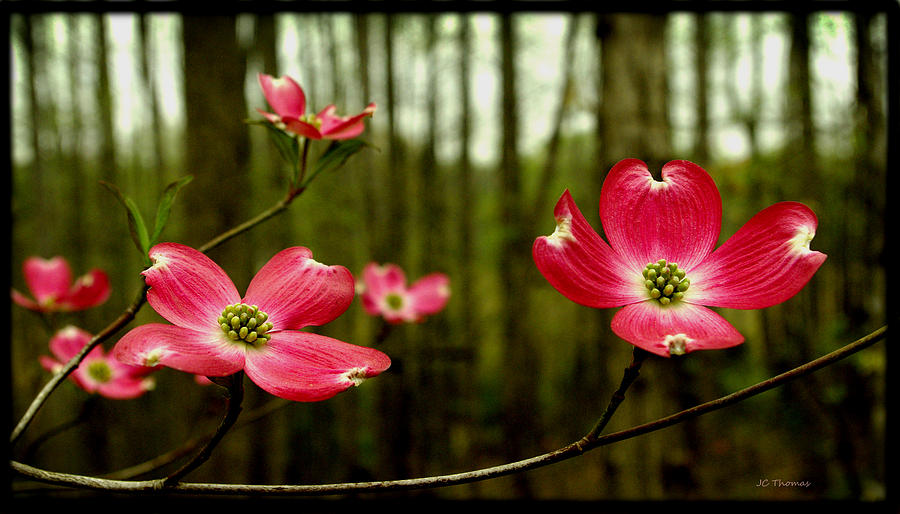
136, 225
335, 157
165, 205
286, 144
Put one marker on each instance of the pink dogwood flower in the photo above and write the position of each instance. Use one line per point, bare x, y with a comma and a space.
384, 293
98, 372
50, 283
661, 264
216, 333
288, 100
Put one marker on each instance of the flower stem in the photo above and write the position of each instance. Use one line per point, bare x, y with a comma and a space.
630, 375
252, 222
234, 395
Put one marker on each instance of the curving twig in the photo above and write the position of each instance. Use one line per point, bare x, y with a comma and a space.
588, 442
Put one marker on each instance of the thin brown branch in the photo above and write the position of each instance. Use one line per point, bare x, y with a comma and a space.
189, 446
73, 363
572, 450
235, 395
628, 378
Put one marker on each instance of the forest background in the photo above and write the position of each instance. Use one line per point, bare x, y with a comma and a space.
483, 120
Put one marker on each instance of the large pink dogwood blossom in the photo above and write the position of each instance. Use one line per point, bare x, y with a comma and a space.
216, 333
50, 283
385, 293
288, 100
98, 372
661, 264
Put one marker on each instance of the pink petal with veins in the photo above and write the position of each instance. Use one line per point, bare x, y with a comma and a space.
580, 265
208, 353
300, 366
764, 263
659, 329
187, 287
297, 291
677, 219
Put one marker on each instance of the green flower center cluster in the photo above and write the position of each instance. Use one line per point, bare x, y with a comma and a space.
312, 119
394, 301
242, 322
665, 282
99, 371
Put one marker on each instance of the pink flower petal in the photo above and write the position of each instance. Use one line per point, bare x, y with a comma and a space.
23, 301
208, 353
580, 265
47, 279
273, 118
306, 367
379, 280
678, 328
284, 95
301, 128
343, 127
764, 263
124, 387
297, 291
68, 341
677, 219
49, 363
430, 293
187, 287
88, 291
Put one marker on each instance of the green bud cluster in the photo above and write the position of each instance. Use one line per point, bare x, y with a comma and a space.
665, 282
100, 371
312, 119
394, 301
242, 322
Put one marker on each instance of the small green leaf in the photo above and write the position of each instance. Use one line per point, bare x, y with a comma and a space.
287, 145
136, 225
335, 157
165, 205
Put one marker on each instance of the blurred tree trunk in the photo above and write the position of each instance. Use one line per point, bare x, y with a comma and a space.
800, 118
395, 396
864, 252
370, 200
633, 122
73, 160
217, 143
146, 64
393, 245
433, 339
701, 47
107, 162
551, 160
519, 394
31, 53
462, 280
